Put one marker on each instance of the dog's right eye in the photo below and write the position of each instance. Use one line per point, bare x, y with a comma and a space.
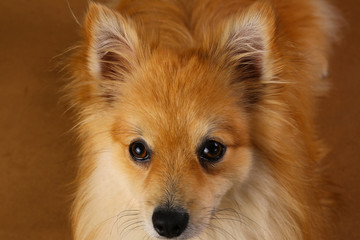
139, 151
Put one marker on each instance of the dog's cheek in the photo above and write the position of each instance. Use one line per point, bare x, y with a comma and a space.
134, 175
234, 167
240, 163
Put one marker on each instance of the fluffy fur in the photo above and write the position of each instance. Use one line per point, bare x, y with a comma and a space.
178, 71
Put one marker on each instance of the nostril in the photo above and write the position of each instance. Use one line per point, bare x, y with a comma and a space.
177, 230
169, 222
159, 229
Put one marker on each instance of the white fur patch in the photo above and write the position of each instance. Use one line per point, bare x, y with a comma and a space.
108, 206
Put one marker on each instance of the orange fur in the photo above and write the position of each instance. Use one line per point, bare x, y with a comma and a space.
176, 72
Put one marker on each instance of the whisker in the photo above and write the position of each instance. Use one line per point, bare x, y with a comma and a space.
128, 221
221, 231
126, 213
132, 226
72, 13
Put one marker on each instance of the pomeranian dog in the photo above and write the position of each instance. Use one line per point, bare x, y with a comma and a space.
196, 120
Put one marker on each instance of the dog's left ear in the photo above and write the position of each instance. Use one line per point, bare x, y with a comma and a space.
247, 42
245, 47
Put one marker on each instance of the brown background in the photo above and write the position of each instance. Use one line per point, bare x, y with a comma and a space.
37, 153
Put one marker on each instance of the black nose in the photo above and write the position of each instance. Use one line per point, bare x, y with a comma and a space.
169, 222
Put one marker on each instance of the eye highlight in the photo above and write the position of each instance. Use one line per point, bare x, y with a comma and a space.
139, 151
211, 151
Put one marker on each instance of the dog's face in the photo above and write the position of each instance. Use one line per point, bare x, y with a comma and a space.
180, 119
182, 141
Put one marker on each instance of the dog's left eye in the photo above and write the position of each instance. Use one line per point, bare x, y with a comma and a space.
211, 151
139, 151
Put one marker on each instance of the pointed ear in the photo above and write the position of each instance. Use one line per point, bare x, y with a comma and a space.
248, 42
111, 43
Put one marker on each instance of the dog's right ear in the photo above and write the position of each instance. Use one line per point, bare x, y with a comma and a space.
111, 43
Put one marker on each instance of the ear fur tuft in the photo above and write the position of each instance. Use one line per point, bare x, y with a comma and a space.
111, 43
248, 41
246, 46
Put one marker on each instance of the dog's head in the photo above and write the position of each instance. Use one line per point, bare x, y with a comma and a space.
179, 118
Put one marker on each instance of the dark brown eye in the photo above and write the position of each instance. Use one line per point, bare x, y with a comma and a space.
139, 151
211, 151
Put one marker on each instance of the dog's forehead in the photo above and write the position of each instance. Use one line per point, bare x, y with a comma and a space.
184, 126
172, 89
173, 98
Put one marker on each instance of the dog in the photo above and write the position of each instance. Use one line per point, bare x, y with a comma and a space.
196, 120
